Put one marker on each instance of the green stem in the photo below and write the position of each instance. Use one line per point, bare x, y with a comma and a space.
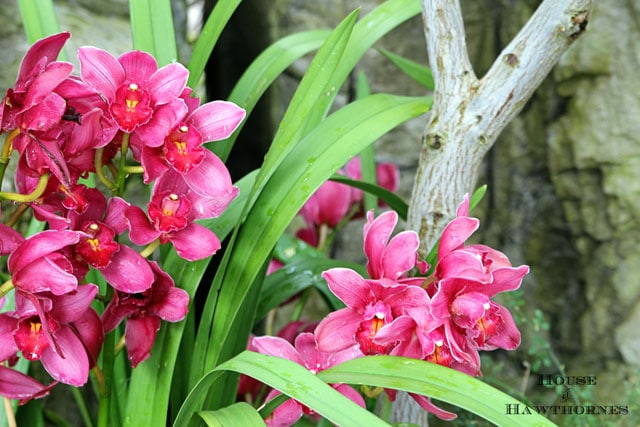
150, 248
6, 287
27, 198
97, 160
7, 149
122, 174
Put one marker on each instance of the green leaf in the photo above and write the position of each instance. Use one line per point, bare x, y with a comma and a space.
263, 71
152, 29
237, 415
391, 199
368, 155
208, 38
321, 153
419, 73
309, 93
291, 379
39, 19
366, 33
432, 380
294, 278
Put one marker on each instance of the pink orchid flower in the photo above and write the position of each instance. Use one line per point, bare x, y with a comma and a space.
174, 207
144, 313
391, 258
370, 306
39, 263
123, 268
134, 87
307, 354
182, 149
43, 328
465, 279
32, 104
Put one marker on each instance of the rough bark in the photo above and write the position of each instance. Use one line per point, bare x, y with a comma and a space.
469, 113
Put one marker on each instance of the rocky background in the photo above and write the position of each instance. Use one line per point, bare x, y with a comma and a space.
564, 178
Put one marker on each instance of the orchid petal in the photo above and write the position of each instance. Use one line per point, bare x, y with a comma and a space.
211, 179
101, 70
337, 331
195, 242
217, 120
376, 235
73, 369
46, 49
456, 233
140, 230
46, 275
284, 415
278, 347
174, 305
70, 306
140, 333
349, 286
16, 385
428, 406
167, 83
128, 271
139, 66
400, 254
164, 119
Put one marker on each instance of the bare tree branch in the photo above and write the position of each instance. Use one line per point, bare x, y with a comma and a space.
469, 113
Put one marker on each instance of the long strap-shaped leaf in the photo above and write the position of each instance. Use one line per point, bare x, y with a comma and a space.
312, 88
152, 29
39, 18
439, 382
208, 38
368, 31
291, 379
263, 71
323, 151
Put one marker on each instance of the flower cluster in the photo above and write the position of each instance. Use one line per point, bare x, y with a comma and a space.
446, 317
68, 130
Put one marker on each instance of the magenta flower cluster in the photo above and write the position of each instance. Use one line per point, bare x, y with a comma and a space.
446, 317
65, 127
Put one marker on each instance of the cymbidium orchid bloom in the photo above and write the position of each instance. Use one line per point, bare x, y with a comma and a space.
32, 104
391, 257
43, 329
465, 279
174, 207
182, 149
39, 263
123, 268
144, 312
370, 306
307, 354
134, 88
